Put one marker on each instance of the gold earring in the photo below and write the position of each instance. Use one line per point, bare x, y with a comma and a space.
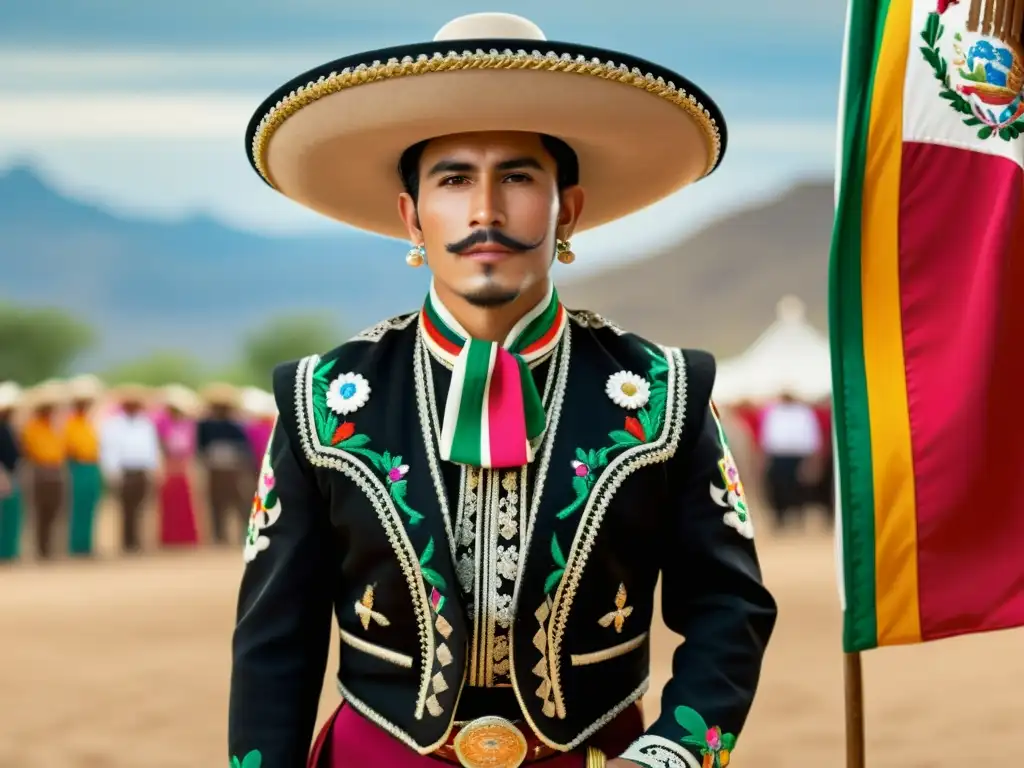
564, 250
416, 256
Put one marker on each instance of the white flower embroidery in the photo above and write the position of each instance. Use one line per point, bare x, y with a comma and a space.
628, 390
348, 393
266, 510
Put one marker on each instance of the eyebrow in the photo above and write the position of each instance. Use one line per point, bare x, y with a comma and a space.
452, 166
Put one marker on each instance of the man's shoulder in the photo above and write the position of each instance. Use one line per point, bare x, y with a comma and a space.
700, 364
365, 349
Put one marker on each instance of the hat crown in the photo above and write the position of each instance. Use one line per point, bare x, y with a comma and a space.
489, 25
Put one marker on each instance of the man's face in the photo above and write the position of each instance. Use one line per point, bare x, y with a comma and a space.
488, 212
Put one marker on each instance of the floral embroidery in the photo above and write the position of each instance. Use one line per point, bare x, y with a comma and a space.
343, 435
628, 390
266, 509
252, 760
347, 393
636, 430
731, 496
365, 612
620, 614
432, 577
715, 747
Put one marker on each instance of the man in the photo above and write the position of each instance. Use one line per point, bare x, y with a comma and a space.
225, 453
43, 448
790, 441
486, 490
130, 459
11, 515
83, 453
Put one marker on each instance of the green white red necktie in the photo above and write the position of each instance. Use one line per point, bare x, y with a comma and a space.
494, 416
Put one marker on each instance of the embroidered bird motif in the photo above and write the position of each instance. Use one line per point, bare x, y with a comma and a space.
365, 612
620, 614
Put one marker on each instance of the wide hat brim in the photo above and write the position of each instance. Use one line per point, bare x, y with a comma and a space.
331, 138
220, 393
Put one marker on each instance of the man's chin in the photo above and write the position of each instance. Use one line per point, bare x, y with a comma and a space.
491, 297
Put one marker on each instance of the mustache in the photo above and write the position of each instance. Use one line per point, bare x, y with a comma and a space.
496, 236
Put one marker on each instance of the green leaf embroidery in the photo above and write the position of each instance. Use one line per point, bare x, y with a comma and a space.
623, 439
552, 581
252, 760
728, 741
270, 500
433, 578
398, 490
581, 455
428, 552
692, 722
356, 441
556, 553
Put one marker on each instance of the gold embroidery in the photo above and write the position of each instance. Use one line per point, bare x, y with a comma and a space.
540, 642
371, 486
365, 612
372, 649
601, 496
605, 654
620, 614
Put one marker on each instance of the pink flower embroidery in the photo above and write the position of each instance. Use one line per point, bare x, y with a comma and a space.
944, 5
581, 469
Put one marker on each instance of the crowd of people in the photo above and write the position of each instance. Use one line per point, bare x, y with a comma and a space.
792, 440
66, 445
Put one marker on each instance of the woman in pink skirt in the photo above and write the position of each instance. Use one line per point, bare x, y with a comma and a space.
177, 432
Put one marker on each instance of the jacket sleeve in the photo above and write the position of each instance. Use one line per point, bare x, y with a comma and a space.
283, 626
712, 595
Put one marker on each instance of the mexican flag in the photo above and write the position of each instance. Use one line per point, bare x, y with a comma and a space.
927, 320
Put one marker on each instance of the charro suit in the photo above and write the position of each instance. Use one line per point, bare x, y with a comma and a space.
537, 583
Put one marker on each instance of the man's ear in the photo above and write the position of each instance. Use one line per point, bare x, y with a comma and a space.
571, 206
411, 219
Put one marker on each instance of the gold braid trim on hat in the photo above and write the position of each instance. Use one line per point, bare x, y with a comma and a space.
480, 59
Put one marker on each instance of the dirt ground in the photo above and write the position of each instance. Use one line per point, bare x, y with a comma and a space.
123, 663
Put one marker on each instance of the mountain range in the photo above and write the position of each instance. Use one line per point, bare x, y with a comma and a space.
198, 285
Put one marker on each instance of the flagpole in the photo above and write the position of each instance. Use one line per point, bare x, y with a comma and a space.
854, 678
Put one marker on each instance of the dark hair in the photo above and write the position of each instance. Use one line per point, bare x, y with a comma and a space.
566, 162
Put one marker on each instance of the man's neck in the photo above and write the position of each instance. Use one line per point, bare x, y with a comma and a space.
491, 323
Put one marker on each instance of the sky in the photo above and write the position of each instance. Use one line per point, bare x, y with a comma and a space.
141, 107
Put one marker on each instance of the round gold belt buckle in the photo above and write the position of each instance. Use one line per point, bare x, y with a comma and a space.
490, 742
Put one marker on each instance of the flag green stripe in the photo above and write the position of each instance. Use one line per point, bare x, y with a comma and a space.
466, 445
850, 395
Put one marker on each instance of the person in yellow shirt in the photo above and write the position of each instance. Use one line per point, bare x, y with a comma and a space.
83, 451
44, 450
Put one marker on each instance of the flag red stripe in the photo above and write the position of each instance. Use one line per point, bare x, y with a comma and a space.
962, 289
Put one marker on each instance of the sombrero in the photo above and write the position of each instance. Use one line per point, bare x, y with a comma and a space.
331, 138
10, 395
220, 393
131, 393
48, 394
258, 403
85, 387
181, 398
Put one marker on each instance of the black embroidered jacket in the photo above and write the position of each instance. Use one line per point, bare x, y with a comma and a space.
446, 579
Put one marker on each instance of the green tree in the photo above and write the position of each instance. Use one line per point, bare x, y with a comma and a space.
283, 339
158, 369
38, 343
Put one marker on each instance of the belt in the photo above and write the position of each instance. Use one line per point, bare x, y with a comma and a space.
494, 742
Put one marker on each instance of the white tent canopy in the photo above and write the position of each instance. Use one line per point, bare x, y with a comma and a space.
790, 356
